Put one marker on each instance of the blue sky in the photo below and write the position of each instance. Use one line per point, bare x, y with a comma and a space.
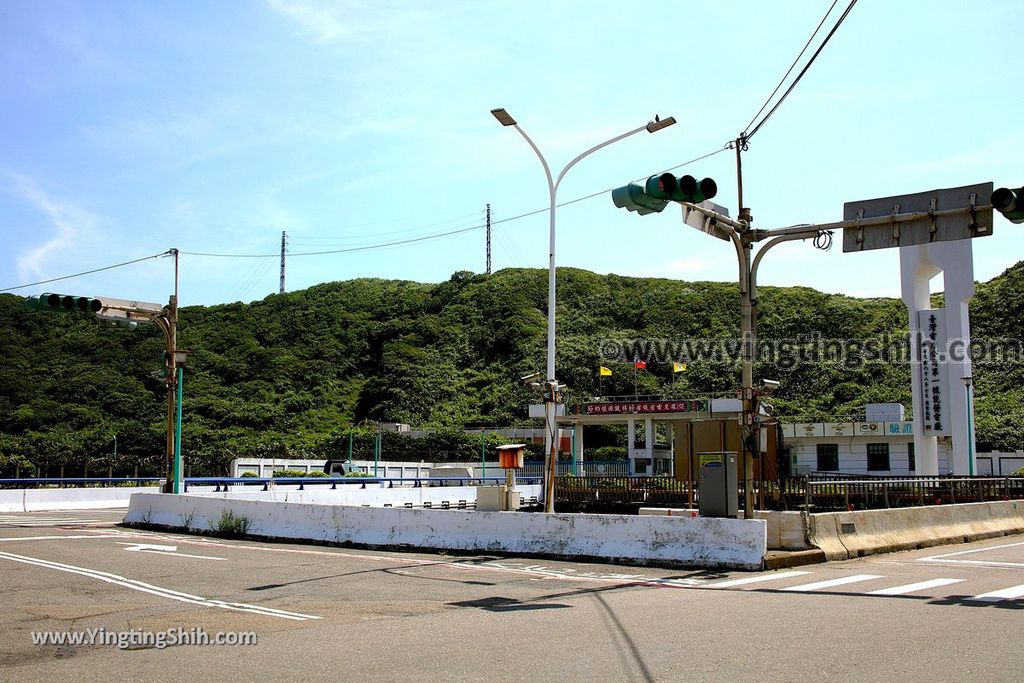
128, 128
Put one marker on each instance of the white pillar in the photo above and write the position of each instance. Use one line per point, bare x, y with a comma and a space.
918, 265
577, 451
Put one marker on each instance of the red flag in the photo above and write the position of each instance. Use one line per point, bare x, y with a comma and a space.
640, 364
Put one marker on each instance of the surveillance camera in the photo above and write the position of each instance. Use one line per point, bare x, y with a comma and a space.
770, 383
526, 379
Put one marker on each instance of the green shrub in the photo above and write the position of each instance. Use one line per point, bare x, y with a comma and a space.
610, 453
231, 524
289, 473
316, 473
249, 474
358, 474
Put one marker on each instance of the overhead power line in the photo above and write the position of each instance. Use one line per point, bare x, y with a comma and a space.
745, 136
88, 272
367, 247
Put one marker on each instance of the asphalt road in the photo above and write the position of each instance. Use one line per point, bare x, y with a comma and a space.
941, 614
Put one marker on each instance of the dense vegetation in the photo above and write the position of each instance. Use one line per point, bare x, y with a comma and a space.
294, 373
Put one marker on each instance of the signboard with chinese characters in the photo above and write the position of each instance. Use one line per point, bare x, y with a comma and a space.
931, 372
640, 407
899, 428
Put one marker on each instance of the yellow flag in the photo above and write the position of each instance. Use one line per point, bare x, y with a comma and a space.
678, 367
605, 372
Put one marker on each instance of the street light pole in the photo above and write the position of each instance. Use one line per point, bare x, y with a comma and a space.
968, 385
505, 119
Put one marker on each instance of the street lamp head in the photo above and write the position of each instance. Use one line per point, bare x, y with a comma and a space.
504, 118
659, 123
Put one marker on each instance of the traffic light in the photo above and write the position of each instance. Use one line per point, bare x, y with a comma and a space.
637, 197
1010, 203
64, 302
658, 190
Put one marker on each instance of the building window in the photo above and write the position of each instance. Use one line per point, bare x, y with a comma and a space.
828, 457
878, 457
910, 457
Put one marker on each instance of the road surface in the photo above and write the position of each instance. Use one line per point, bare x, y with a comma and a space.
947, 613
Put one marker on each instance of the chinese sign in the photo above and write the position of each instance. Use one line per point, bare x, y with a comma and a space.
933, 348
633, 407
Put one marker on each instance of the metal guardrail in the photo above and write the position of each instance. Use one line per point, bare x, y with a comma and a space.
224, 483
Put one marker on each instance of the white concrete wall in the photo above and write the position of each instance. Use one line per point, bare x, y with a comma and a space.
30, 500
700, 542
355, 496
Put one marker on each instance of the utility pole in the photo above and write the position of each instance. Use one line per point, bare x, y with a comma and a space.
488, 239
283, 243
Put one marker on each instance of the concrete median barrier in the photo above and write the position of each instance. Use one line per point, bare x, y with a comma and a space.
681, 541
843, 535
34, 500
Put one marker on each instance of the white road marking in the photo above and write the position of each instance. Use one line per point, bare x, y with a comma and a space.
755, 579
164, 550
945, 557
55, 538
49, 522
914, 587
148, 546
155, 590
999, 596
832, 583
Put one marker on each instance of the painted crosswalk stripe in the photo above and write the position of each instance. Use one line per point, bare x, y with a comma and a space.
998, 596
915, 587
755, 579
831, 583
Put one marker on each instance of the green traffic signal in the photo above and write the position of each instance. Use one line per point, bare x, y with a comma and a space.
695, 191
655, 193
64, 302
635, 197
1010, 203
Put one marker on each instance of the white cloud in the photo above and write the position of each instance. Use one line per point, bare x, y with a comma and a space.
339, 20
70, 225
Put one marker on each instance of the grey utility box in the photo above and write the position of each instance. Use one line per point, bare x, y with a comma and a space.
718, 485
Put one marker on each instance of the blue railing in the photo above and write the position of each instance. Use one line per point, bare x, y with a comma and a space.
224, 483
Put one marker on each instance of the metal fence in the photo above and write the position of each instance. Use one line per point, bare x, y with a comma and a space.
852, 494
656, 491
619, 468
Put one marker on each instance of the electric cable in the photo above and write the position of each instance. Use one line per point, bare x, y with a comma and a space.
89, 272
745, 137
791, 67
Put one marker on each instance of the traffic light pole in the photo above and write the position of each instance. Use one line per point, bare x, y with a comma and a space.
167, 323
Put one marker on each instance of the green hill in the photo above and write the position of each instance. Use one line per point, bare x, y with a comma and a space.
293, 372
